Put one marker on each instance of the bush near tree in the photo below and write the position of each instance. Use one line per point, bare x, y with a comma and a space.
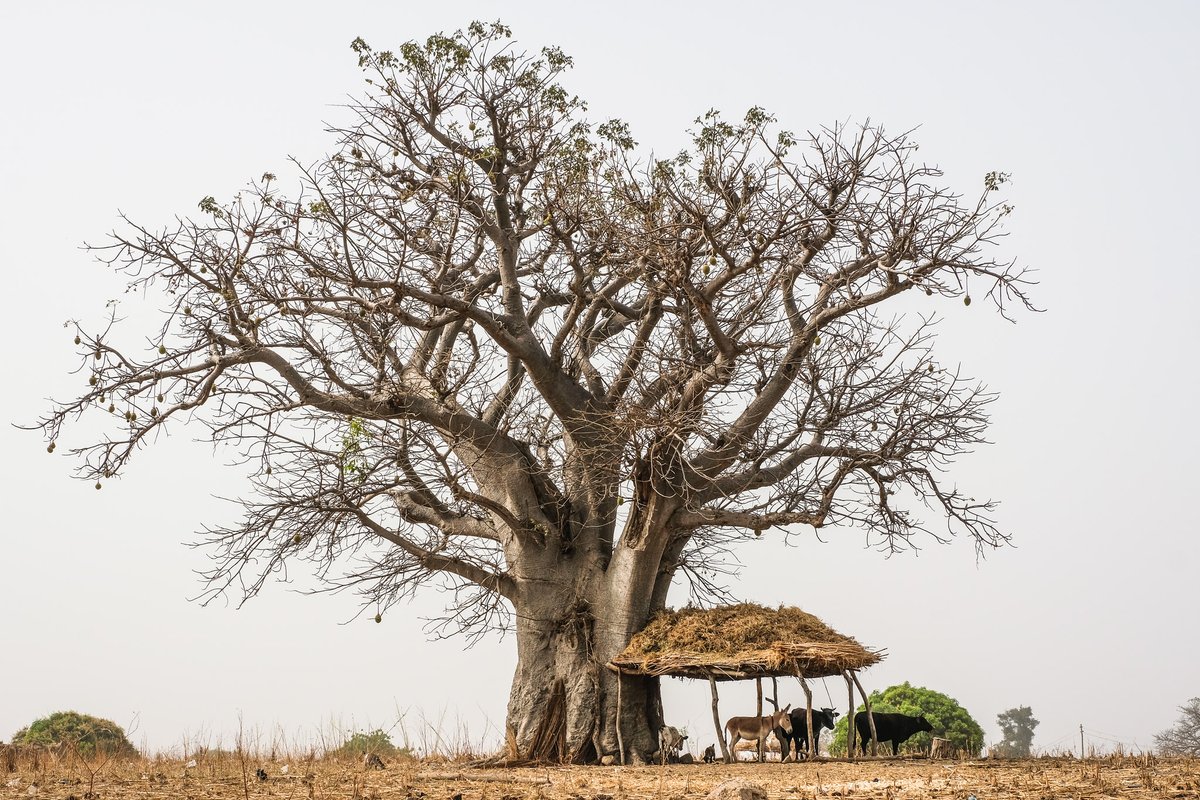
949, 719
377, 742
87, 734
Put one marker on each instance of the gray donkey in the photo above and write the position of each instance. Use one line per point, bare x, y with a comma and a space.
755, 728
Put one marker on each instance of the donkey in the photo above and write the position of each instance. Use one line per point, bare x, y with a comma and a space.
755, 728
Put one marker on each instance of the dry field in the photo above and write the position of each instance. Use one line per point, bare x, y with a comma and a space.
1115, 777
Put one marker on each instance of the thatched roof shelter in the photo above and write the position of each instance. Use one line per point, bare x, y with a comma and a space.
740, 642
744, 641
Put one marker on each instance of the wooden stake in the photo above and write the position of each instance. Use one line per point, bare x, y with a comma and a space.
717, 721
762, 740
870, 716
620, 741
812, 748
850, 728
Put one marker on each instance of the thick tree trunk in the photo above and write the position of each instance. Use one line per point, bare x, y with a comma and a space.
554, 702
563, 702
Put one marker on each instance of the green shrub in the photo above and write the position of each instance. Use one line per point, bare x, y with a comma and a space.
949, 719
377, 742
87, 734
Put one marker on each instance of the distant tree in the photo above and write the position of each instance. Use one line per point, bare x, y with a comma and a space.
949, 719
1016, 727
1183, 739
88, 734
487, 346
376, 742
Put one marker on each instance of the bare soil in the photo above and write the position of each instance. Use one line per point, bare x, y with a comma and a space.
1113, 777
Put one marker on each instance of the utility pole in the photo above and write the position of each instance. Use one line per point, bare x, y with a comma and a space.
1081, 741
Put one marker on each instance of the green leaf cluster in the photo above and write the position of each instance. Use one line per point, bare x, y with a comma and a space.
353, 442
949, 719
993, 180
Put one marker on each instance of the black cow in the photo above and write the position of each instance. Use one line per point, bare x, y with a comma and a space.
822, 718
895, 728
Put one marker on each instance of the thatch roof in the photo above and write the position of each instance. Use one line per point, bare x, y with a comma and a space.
741, 641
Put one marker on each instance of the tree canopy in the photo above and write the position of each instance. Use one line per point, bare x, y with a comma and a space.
949, 719
483, 313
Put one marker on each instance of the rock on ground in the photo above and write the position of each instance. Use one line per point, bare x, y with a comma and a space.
737, 789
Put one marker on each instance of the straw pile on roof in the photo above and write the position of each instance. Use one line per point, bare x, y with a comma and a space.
741, 641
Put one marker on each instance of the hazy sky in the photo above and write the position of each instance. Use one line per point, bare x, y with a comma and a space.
1091, 618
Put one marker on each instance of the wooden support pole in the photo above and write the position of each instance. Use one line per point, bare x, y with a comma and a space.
762, 740
808, 720
620, 741
851, 729
775, 705
870, 716
717, 721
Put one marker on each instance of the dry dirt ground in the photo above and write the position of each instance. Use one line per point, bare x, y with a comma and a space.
1115, 777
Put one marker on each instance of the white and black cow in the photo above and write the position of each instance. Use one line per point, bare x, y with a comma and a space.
895, 728
670, 742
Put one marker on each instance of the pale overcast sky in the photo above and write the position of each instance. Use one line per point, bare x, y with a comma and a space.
1092, 106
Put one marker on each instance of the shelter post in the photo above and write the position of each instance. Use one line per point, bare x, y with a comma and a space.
775, 705
870, 716
851, 729
811, 750
717, 721
762, 739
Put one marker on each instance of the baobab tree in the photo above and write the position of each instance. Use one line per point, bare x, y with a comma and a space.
486, 344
